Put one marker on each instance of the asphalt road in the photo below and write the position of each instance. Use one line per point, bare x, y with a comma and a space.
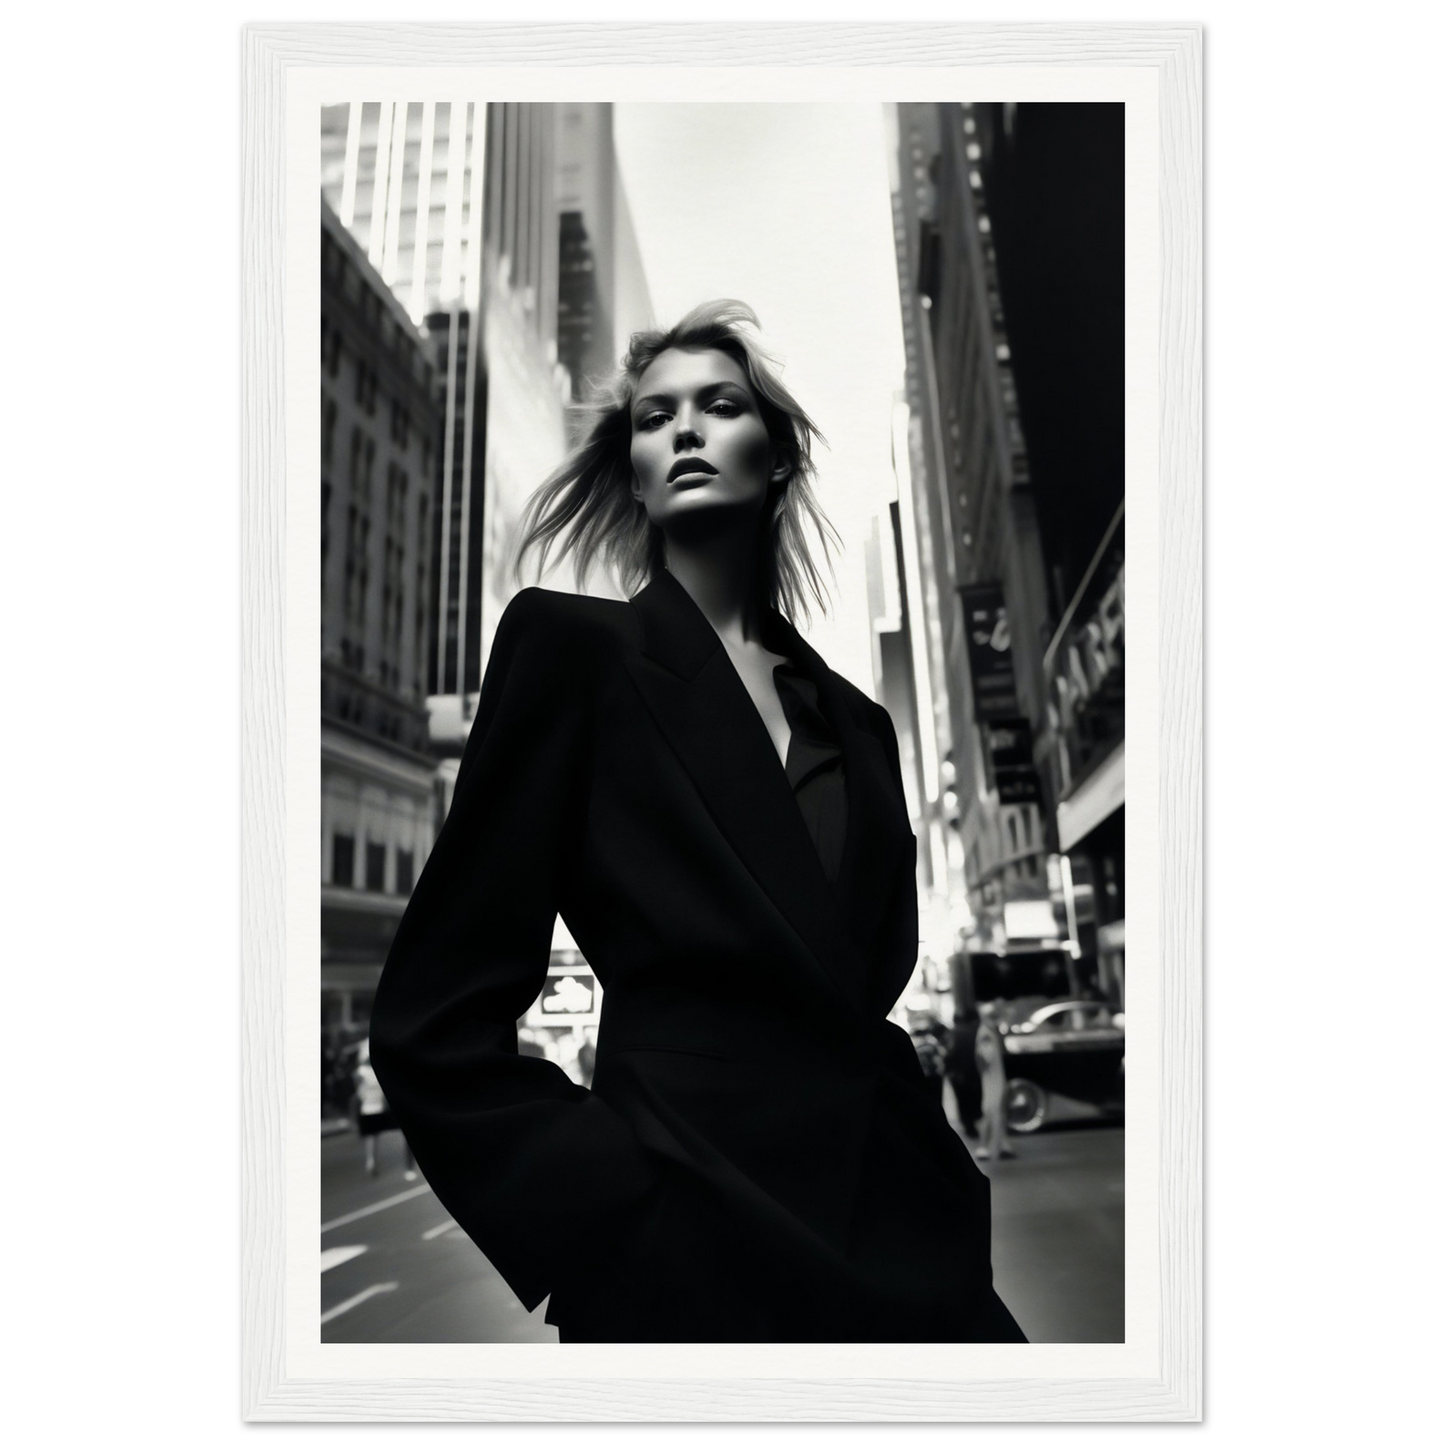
396, 1269
402, 1272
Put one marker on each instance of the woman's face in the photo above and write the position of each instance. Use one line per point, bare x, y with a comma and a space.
700, 449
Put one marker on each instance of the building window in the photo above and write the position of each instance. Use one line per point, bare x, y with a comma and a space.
366, 387
375, 867
328, 432
343, 860
330, 348
405, 864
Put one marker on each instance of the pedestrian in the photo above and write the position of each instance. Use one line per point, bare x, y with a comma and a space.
931, 1051
587, 1056
989, 1052
720, 819
373, 1117
961, 1066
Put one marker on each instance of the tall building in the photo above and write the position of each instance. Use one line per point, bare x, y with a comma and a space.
504, 230
1054, 177
501, 234
452, 203
1009, 335
603, 296
380, 426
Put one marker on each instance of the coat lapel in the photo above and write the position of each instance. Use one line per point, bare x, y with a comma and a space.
879, 840
705, 713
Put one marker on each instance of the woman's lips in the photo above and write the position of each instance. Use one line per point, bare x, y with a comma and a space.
691, 469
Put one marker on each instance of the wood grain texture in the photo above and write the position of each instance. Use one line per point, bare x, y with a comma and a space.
267, 1394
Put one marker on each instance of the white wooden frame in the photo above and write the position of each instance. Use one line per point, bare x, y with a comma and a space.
1172, 1391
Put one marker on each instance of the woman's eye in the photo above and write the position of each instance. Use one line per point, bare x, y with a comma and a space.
652, 422
725, 408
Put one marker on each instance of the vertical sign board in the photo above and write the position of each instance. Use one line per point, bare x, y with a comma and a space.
990, 653
1009, 743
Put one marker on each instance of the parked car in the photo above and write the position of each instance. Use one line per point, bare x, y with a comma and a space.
1059, 1053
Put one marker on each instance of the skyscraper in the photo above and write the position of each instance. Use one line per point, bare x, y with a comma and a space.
1054, 177
504, 231
379, 430
500, 238
1008, 222
603, 294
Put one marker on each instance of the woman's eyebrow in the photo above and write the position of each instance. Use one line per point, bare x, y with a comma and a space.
666, 398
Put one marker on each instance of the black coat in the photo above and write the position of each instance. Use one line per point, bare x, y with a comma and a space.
759, 1157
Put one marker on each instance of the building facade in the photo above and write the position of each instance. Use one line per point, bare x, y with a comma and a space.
603, 296
501, 231
1054, 178
1005, 225
379, 432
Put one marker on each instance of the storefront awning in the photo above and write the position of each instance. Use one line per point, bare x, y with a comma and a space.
1100, 794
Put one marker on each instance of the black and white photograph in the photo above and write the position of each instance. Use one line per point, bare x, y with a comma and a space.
722, 539
705, 971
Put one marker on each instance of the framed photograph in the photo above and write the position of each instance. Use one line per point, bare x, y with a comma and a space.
619, 401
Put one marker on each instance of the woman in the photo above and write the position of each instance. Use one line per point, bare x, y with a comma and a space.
720, 820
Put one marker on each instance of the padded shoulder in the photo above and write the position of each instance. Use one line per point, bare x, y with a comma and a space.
868, 713
562, 616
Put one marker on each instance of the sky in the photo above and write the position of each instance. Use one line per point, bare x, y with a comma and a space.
787, 207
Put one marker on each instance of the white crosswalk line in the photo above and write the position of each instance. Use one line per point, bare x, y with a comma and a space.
376, 1208
439, 1229
357, 1299
339, 1254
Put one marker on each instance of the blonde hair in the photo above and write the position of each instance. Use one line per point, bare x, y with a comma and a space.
586, 506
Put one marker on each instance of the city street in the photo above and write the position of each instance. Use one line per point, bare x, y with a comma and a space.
396, 1269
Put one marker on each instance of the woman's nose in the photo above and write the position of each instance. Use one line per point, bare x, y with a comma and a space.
687, 435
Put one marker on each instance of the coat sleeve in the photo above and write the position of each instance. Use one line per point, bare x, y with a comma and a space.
537, 1170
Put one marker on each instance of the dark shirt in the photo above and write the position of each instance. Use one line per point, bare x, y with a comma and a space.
814, 767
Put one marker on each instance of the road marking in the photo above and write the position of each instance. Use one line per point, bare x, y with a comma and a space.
330, 1258
439, 1229
357, 1299
376, 1208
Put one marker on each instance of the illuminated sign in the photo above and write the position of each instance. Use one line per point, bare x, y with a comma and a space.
1030, 918
569, 994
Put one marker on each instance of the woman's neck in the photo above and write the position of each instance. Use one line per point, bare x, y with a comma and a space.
721, 576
